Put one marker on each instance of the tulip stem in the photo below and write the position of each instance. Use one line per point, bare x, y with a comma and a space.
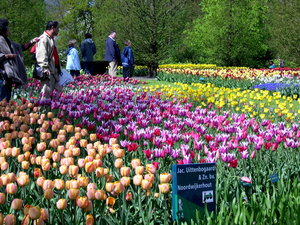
140, 206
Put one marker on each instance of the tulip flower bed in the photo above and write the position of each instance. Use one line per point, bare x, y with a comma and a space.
101, 153
255, 103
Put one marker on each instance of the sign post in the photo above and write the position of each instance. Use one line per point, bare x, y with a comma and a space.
193, 188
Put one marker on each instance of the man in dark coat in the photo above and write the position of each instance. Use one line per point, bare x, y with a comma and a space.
88, 50
112, 53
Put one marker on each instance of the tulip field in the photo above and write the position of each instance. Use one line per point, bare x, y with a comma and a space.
101, 151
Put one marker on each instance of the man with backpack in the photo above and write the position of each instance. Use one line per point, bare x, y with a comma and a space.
48, 60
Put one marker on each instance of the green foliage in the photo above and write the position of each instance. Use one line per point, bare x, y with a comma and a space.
284, 38
231, 33
27, 19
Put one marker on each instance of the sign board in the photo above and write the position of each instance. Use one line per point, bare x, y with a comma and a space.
193, 188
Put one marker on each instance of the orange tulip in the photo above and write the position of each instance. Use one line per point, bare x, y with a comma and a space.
125, 171
2, 198
135, 163
149, 177
48, 184
77, 129
73, 193
128, 196
1, 218
146, 184
11, 188
44, 214
59, 184
100, 172
48, 194
72, 184
164, 188
90, 167
118, 153
76, 151
151, 168
61, 204
69, 128
125, 181
83, 143
137, 180
34, 212
110, 201
139, 170
82, 202
41, 146
73, 170
55, 156
40, 181
63, 169
156, 195
118, 163
91, 194
4, 166
25, 165
23, 180
100, 195
12, 177
113, 141
89, 219
83, 181
165, 177
10, 219
118, 187
93, 137
84, 132
109, 187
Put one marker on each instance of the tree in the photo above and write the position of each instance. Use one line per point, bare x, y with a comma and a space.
27, 19
285, 30
153, 26
231, 32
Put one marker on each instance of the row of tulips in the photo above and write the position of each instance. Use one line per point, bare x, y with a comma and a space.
255, 103
80, 165
234, 73
60, 145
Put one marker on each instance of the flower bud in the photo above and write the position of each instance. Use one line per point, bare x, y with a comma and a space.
164, 188
89, 219
139, 170
34, 212
10, 219
100, 195
137, 180
165, 177
61, 204
125, 171
118, 163
11, 188
135, 163
73, 193
146, 184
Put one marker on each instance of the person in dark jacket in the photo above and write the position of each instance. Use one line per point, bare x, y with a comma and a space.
112, 53
88, 50
127, 60
12, 69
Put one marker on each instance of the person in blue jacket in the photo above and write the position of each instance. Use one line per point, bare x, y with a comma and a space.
88, 50
272, 65
73, 62
127, 60
112, 53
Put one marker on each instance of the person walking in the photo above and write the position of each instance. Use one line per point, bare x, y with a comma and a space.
12, 69
88, 50
73, 62
112, 53
47, 58
127, 60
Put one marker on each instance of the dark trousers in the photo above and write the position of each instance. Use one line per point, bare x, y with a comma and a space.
127, 72
75, 73
88, 67
5, 90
